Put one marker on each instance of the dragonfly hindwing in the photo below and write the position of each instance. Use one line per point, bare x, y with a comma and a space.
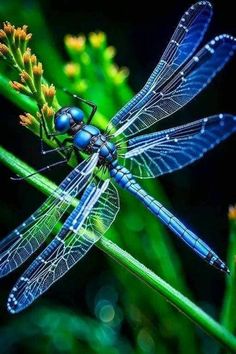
86, 224
152, 155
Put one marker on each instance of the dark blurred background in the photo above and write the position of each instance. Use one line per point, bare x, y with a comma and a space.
200, 194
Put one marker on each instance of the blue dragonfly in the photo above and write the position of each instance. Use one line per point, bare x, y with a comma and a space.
120, 156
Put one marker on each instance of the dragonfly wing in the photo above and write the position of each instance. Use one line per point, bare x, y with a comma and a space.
94, 214
183, 43
152, 155
24, 240
185, 40
159, 103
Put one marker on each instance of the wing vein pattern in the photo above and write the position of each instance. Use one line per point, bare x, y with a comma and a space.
155, 154
92, 217
27, 238
160, 101
185, 40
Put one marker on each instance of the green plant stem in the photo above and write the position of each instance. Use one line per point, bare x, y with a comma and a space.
228, 316
182, 303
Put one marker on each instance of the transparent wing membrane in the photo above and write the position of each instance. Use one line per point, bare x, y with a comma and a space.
86, 224
152, 155
183, 43
185, 40
24, 240
185, 84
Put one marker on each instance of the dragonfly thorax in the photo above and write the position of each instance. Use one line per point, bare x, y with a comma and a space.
86, 137
91, 140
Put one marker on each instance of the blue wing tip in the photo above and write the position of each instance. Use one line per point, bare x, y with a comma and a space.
14, 306
12, 303
225, 36
16, 303
204, 3
220, 40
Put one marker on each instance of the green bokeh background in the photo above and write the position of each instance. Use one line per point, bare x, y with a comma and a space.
99, 307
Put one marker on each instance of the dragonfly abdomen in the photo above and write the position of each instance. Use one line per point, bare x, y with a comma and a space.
121, 175
126, 180
187, 236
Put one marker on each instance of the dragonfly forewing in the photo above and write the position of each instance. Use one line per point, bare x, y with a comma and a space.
181, 88
185, 40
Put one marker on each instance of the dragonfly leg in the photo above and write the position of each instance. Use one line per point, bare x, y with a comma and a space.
89, 103
62, 148
42, 169
65, 151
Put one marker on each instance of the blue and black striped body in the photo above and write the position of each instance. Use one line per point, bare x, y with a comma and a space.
125, 180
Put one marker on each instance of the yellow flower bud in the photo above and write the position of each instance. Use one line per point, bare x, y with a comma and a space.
4, 49
72, 70
97, 39
49, 91
109, 52
232, 212
16, 85
47, 111
8, 28
76, 43
2, 35
38, 69
26, 119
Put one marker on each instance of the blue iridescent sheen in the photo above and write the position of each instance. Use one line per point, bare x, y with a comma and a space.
77, 114
180, 75
66, 117
91, 129
83, 137
62, 123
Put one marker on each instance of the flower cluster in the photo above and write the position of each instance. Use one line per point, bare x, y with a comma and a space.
14, 49
84, 52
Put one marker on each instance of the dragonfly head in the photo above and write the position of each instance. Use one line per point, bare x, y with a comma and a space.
67, 117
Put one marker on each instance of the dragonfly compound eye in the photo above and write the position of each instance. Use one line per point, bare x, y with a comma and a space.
76, 114
62, 122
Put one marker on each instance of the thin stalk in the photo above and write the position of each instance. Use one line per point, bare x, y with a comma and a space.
178, 300
228, 316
